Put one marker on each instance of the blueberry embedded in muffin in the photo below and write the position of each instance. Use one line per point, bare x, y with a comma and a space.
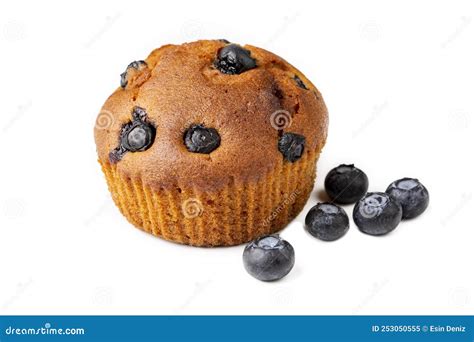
300, 82
291, 145
233, 59
201, 139
134, 66
136, 136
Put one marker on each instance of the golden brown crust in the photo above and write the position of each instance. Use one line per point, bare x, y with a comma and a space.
181, 87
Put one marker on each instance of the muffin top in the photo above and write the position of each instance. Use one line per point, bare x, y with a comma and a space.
208, 113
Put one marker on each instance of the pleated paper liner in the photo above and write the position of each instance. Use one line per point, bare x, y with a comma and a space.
233, 215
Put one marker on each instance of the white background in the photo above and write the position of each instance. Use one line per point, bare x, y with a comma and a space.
398, 81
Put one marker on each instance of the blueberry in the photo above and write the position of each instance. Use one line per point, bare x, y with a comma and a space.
137, 65
233, 59
327, 221
412, 196
269, 258
377, 213
346, 184
300, 83
291, 145
136, 136
200, 139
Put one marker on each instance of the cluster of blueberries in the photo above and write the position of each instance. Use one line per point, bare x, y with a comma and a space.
375, 213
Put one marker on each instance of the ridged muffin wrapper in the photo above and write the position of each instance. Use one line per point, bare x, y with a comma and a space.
235, 214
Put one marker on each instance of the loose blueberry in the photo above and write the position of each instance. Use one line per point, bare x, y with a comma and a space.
136, 136
346, 184
327, 221
200, 139
377, 213
234, 59
300, 83
269, 258
412, 196
291, 145
137, 65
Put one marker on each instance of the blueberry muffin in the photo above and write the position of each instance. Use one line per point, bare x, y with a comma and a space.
211, 143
